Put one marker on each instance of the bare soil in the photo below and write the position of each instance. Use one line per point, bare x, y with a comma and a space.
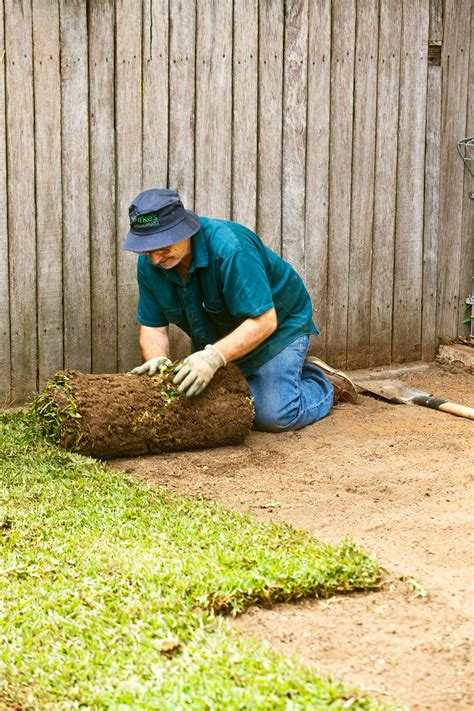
398, 480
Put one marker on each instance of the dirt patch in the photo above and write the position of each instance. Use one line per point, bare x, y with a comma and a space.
113, 415
398, 479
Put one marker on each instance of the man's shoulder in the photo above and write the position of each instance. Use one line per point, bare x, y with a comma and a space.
225, 238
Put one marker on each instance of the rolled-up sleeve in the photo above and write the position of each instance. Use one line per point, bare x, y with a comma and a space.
245, 284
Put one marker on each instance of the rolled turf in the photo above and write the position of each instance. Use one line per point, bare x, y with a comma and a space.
114, 415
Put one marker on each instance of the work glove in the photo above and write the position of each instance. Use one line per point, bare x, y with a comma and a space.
197, 370
151, 366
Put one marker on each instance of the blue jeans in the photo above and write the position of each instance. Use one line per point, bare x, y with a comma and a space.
289, 393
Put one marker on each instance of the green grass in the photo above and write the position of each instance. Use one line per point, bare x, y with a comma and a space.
110, 591
54, 409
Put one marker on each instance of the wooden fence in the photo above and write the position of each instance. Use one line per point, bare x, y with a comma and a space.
330, 127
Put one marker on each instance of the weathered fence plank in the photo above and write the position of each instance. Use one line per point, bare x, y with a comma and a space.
406, 345
455, 65
294, 133
5, 368
386, 142
432, 182
363, 167
21, 196
271, 32
342, 81
214, 108
429, 340
317, 163
128, 122
102, 186
244, 114
48, 187
75, 175
182, 93
155, 93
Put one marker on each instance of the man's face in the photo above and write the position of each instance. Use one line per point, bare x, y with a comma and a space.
169, 257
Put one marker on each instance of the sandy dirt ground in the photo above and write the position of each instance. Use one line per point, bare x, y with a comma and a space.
398, 480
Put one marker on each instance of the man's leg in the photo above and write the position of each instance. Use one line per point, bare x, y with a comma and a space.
289, 393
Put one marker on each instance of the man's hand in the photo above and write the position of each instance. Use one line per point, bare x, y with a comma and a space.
197, 370
151, 366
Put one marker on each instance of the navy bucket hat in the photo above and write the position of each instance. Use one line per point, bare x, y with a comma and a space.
158, 219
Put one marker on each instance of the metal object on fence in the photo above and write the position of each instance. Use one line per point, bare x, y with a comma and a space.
466, 151
470, 302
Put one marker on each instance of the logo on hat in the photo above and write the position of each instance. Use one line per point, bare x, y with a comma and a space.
145, 221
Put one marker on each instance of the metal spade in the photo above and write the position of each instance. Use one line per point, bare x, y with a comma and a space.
398, 392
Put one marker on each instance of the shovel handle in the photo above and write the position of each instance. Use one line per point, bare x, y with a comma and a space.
455, 409
445, 406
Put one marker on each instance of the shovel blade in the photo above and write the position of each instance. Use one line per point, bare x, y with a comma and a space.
391, 390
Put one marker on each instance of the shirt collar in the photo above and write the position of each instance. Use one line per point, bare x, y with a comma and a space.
200, 255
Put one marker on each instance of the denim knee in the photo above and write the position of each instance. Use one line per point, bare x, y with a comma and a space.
267, 420
289, 394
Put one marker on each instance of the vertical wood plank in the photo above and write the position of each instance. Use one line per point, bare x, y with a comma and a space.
317, 163
244, 135
270, 96
386, 134
363, 170
155, 93
455, 65
294, 133
102, 186
5, 369
213, 108
432, 184
182, 70
75, 171
342, 85
156, 123
467, 232
48, 187
429, 341
406, 345
436, 20
128, 113
21, 196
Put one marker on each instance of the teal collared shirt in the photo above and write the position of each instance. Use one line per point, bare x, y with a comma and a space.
232, 276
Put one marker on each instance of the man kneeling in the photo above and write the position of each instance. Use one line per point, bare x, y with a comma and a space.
238, 301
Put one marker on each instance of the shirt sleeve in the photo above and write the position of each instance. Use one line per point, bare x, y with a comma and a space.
245, 284
149, 312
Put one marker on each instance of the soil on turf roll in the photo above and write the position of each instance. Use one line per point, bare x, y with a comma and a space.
115, 415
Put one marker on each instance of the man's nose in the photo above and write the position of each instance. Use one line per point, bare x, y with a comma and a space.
156, 257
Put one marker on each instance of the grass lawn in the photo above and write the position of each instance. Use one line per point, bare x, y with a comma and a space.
111, 591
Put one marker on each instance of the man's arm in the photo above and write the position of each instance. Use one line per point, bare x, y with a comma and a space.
154, 342
197, 371
246, 337
242, 340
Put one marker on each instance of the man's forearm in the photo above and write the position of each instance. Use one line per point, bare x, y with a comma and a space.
250, 334
154, 342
